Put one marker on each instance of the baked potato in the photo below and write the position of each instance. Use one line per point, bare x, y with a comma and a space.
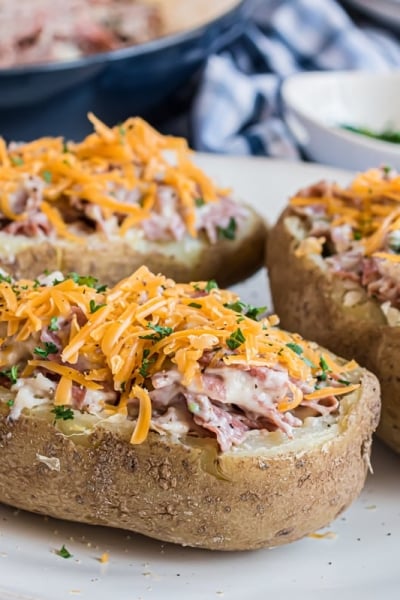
176, 411
334, 272
121, 198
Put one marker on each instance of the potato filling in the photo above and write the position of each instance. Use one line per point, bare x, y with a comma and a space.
174, 358
120, 181
357, 232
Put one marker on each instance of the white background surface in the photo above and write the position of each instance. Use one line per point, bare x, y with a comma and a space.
359, 560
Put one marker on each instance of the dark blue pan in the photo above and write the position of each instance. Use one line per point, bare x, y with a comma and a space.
54, 98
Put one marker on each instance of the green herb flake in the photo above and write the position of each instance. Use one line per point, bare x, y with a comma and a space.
193, 407
199, 202
49, 348
324, 365
65, 147
10, 402
236, 339
357, 235
211, 285
229, 232
87, 280
344, 381
53, 325
146, 363
159, 332
64, 552
17, 160
11, 374
5, 278
386, 135
63, 413
295, 347
194, 305
93, 307
252, 312
47, 176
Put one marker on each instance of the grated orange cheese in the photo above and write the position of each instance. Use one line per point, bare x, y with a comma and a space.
63, 393
144, 324
143, 422
331, 391
130, 157
370, 205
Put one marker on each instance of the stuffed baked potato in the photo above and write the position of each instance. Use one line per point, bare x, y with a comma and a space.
334, 269
121, 198
176, 411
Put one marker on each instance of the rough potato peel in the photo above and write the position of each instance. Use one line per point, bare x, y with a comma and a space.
211, 446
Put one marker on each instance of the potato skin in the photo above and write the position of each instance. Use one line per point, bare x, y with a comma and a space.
309, 300
162, 488
227, 261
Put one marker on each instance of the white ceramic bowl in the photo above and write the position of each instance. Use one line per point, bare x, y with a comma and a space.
317, 104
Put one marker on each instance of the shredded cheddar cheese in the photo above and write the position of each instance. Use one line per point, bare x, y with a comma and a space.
119, 170
146, 324
370, 205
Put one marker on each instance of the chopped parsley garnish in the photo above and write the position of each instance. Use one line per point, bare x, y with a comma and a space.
17, 160
49, 348
357, 235
146, 363
236, 339
93, 307
47, 176
65, 147
211, 285
159, 332
386, 169
295, 347
10, 402
101, 288
199, 202
63, 412
344, 381
193, 407
5, 278
122, 130
194, 305
386, 135
64, 552
53, 325
253, 312
325, 368
11, 373
87, 280
228, 232
299, 351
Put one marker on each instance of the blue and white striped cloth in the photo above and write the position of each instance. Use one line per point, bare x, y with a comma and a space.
237, 108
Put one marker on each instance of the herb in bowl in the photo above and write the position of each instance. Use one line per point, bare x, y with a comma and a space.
387, 135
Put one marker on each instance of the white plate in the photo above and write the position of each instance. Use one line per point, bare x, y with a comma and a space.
384, 11
358, 560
